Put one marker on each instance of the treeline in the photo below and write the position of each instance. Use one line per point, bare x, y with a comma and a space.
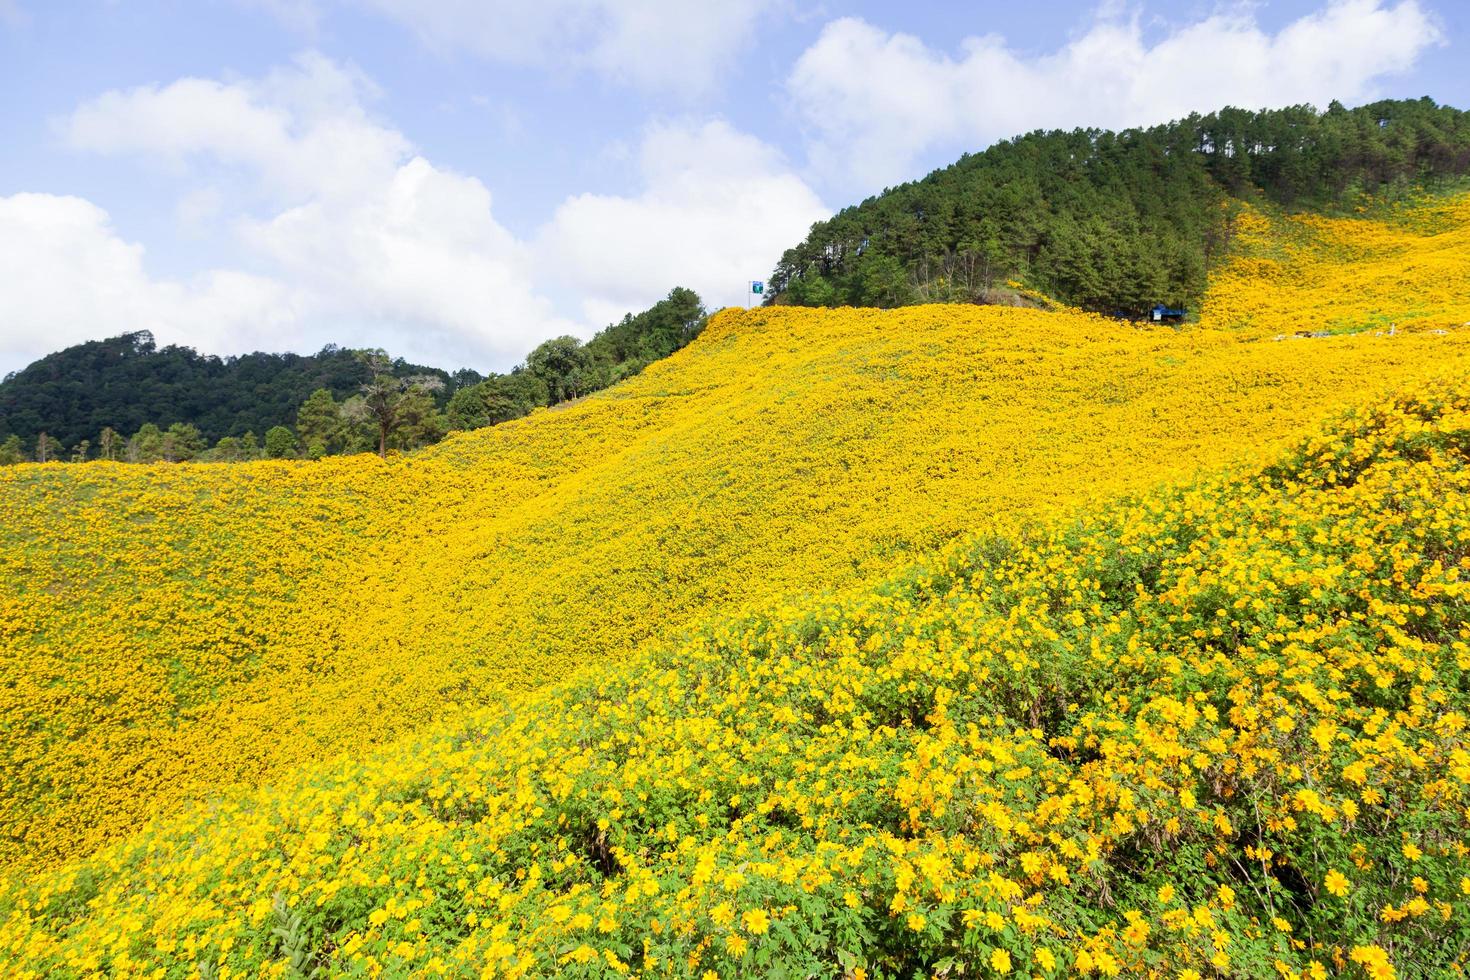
178, 443
393, 407
127, 381
565, 368
1112, 222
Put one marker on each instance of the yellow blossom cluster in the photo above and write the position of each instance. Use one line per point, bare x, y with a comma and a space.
1402, 268
1221, 730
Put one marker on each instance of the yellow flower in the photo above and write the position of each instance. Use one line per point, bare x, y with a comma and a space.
756, 921
1374, 960
1337, 883
1000, 961
582, 954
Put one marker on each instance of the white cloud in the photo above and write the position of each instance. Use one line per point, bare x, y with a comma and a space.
875, 102
301, 131
423, 253
717, 208
353, 237
69, 277
199, 208
358, 229
671, 46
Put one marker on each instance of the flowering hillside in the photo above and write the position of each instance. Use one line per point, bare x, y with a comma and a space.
1404, 268
164, 625
1222, 730
1095, 733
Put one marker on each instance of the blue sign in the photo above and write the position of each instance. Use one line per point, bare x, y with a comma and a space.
757, 287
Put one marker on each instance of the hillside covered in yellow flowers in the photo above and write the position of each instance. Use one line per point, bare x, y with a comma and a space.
848, 642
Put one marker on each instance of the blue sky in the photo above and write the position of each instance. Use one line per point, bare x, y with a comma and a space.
457, 180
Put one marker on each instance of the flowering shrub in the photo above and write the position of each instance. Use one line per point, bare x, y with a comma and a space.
1219, 730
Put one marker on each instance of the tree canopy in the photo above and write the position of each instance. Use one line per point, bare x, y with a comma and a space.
564, 368
128, 380
337, 401
1112, 222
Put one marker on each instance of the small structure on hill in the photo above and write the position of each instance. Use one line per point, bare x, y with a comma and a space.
1166, 314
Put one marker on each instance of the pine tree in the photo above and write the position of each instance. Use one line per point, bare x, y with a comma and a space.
47, 449
390, 403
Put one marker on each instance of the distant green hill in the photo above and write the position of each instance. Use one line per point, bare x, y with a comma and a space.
126, 381
1113, 222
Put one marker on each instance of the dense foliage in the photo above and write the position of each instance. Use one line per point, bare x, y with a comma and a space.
1113, 222
79, 403
128, 381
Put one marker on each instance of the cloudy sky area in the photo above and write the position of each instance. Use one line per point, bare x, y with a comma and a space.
456, 180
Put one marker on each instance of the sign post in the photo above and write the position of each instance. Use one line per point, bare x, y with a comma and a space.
757, 289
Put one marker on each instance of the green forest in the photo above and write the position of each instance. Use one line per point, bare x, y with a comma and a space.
127, 399
1113, 222
128, 381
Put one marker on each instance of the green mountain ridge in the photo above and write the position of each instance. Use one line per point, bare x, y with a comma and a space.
1114, 222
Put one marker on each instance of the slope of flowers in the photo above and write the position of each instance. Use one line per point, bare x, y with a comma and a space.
1400, 268
168, 631
1223, 730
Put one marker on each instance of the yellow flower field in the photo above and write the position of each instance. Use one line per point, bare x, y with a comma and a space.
1403, 269
1221, 730
175, 629
266, 717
